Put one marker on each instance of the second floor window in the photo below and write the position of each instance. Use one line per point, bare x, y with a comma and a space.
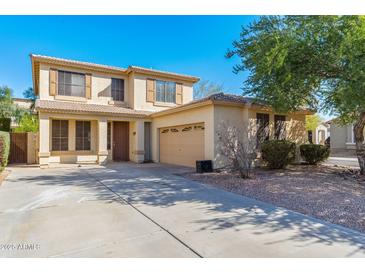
71, 84
117, 89
165, 91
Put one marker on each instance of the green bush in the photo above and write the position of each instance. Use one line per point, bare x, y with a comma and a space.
314, 154
5, 124
4, 149
278, 153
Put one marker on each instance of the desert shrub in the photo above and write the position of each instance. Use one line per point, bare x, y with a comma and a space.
278, 153
238, 148
4, 149
314, 154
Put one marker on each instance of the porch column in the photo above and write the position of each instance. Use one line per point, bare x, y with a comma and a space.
102, 141
44, 140
139, 142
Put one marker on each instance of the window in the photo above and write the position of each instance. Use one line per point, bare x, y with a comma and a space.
310, 136
117, 89
279, 127
109, 135
71, 84
59, 135
82, 135
262, 120
165, 91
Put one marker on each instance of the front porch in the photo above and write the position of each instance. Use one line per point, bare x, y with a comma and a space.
80, 139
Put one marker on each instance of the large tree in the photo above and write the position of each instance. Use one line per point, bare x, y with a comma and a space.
307, 61
312, 122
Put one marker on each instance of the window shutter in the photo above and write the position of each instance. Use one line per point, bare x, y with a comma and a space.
88, 86
52, 82
150, 96
179, 94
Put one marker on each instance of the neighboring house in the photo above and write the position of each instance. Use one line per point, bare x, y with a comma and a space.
22, 103
92, 113
342, 137
320, 134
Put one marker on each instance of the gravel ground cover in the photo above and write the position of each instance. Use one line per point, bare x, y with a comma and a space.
331, 193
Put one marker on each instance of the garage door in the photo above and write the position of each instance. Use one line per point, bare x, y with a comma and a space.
182, 145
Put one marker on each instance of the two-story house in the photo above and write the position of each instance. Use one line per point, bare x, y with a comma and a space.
91, 113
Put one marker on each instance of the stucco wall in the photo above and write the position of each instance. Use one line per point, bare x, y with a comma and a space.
134, 89
244, 119
98, 138
294, 125
203, 114
226, 117
140, 87
218, 118
72, 155
100, 85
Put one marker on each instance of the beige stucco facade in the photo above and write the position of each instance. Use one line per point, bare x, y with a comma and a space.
101, 81
137, 109
203, 114
98, 152
138, 97
217, 117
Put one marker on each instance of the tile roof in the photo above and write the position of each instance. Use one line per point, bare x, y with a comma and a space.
223, 97
231, 98
71, 107
155, 71
219, 97
112, 68
75, 62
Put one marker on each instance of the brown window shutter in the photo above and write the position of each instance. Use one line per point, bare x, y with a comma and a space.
179, 94
150, 96
52, 82
88, 86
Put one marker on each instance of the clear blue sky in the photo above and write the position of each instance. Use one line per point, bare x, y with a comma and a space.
193, 45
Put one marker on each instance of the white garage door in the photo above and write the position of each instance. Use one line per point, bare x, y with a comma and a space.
182, 145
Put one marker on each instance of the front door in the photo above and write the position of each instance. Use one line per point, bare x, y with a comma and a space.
120, 141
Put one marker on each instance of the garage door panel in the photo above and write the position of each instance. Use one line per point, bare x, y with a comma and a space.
182, 145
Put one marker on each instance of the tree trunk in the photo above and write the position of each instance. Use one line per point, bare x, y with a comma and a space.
359, 140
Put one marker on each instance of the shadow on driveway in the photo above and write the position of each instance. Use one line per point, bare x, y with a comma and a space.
212, 209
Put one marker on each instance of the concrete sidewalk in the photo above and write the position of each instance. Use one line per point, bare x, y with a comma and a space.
350, 162
129, 210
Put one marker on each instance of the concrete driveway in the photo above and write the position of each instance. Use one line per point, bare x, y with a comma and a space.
128, 210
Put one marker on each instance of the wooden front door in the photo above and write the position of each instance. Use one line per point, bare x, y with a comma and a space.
18, 148
120, 141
